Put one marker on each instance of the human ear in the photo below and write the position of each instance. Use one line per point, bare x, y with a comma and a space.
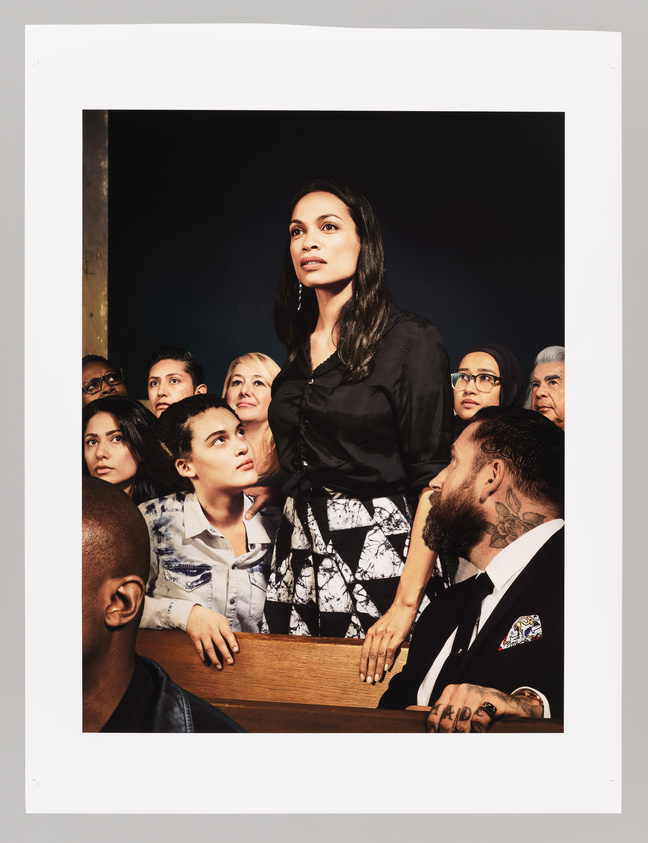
126, 595
184, 468
491, 477
201, 389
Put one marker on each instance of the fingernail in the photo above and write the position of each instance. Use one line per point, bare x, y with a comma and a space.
362, 677
230, 661
247, 516
388, 667
235, 649
369, 680
377, 678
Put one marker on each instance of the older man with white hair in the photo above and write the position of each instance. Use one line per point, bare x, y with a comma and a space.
547, 385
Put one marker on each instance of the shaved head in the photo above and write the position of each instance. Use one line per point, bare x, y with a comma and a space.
115, 535
115, 566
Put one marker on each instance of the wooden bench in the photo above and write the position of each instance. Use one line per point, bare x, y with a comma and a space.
282, 683
301, 718
304, 718
271, 668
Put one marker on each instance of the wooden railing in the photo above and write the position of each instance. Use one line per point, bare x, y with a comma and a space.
270, 668
283, 683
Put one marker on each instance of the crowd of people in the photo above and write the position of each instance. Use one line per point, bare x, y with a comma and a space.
359, 491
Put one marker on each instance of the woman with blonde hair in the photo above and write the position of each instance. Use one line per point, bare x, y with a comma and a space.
247, 390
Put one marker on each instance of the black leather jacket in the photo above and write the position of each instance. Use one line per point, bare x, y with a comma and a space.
154, 703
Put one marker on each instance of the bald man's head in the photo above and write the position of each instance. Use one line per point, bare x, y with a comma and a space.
115, 535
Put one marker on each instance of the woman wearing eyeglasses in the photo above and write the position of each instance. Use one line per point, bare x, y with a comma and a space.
100, 378
488, 375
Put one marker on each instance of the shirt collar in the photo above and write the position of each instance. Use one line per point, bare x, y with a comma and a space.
515, 556
196, 521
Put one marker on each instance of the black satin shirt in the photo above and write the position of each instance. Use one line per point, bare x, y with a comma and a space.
388, 434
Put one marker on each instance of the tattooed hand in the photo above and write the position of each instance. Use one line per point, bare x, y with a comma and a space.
472, 708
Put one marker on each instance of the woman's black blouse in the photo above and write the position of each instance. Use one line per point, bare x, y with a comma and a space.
388, 434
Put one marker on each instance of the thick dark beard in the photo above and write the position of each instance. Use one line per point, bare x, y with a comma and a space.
454, 525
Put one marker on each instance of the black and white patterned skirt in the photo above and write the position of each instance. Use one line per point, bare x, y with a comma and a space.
336, 565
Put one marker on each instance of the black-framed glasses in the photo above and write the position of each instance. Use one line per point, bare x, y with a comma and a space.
484, 383
93, 385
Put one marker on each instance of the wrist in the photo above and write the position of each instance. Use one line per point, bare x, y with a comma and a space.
408, 600
530, 701
192, 612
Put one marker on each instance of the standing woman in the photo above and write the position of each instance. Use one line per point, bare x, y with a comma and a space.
361, 415
247, 389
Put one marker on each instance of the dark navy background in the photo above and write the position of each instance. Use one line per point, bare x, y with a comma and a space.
471, 207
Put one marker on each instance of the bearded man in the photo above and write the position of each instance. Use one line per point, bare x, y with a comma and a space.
492, 646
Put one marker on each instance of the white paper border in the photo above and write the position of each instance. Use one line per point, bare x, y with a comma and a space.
70, 68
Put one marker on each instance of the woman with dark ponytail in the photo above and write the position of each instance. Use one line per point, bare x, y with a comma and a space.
361, 416
209, 565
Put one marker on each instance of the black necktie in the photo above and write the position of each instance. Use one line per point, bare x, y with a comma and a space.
479, 588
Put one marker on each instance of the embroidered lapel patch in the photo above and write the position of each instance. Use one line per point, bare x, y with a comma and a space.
526, 628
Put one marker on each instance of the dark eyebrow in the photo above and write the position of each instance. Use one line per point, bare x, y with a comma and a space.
107, 433
319, 219
553, 378
216, 433
479, 369
167, 375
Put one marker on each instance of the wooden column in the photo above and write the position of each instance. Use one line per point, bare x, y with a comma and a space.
95, 232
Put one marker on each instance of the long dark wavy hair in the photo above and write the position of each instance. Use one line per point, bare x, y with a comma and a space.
361, 322
138, 426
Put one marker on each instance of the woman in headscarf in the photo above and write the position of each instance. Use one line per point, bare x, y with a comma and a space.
488, 375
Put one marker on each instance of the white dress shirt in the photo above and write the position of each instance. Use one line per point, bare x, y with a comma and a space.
192, 563
502, 570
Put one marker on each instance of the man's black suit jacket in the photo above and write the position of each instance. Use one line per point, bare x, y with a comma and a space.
538, 590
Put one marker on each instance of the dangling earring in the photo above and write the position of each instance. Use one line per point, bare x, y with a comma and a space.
299, 298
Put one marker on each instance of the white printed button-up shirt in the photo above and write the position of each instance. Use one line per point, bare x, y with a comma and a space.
192, 563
